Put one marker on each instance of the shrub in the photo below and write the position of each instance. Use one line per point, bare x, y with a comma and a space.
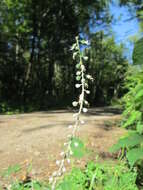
95, 176
100, 176
132, 144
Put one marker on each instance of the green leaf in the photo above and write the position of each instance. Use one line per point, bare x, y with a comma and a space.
26, 55
138, 52
12, 169
140, 128
134, 155
129, 141
9, 3
139, 94
36, 185
78, 78
134, 116
67, 185
84, 42
78, 66
77, 147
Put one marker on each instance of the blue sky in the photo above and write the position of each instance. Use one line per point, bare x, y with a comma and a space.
124, 28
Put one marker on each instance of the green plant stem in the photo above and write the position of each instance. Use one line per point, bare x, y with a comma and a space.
92, 182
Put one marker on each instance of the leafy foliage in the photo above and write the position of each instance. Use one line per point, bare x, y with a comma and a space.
12, 170
133, 114
28, 185
128, 142
134, 155
133, 117
100, 176
105, 60
36, 66
138, 52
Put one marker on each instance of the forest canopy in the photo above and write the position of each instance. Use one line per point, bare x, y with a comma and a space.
36, 66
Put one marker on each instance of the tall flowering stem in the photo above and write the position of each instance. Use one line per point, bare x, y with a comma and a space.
82, 83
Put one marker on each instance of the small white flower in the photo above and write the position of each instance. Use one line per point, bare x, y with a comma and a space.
87, 92
85, 58
50, 179
64, 169
62, 153
68, 160
58, 162
59, 174
75, 103
78, 85
54, 174
89, 77
86, 102
85, 110
82, 122
76, 144
70, 126
78, 73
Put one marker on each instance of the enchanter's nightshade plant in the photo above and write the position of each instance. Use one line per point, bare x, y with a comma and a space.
74, 146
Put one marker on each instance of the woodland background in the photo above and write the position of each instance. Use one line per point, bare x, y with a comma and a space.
36, 66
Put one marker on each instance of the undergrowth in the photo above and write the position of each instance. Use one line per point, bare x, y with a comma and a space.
95, 176
131, 145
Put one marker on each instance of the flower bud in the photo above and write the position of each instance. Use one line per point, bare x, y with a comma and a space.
54, 174
86, 102
85, 110
70, 126
85, 58
78, 85
58, 162
75, 103
68, 160
50, 179
76, 144
87, 92
64, 170
82, 122
78, 73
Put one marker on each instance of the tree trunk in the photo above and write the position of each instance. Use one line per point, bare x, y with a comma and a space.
50, 77
31, 60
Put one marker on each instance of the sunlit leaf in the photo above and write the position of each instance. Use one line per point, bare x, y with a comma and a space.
77, 148
134, 155
129, 141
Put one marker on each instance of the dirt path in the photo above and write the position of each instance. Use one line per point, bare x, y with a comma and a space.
39, 136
